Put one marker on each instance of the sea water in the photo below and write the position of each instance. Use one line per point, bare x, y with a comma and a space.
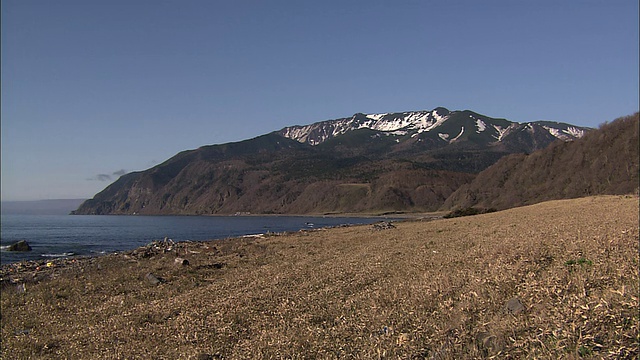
52, 236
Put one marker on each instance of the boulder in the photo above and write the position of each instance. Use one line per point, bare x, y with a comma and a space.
21, 245
514, 306
152, 279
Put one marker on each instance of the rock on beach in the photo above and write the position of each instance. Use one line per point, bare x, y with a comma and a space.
21, 245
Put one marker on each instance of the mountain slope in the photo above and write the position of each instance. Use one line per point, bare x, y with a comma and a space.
604, 161
410, 161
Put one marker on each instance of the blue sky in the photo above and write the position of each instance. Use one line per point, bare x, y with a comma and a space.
92, 89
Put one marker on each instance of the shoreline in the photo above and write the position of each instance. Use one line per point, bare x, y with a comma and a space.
468, 287
180, 228
390, 214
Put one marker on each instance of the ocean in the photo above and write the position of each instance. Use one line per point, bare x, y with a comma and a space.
53, 236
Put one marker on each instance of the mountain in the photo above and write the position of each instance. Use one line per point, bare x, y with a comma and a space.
409, 161
604, 161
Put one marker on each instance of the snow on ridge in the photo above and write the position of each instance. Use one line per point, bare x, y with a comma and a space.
414, 121
299, 133
438, 117
556, 132
574, 131
501, 131
481, 126
569, 133
439, 120
376, 117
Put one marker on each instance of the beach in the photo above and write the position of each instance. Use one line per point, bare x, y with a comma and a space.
552, 280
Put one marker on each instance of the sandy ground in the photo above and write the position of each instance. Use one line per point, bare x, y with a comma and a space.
553, 280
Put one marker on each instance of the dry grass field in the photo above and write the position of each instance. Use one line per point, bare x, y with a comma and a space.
553, 280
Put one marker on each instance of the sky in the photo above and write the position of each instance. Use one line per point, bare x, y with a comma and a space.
95, 89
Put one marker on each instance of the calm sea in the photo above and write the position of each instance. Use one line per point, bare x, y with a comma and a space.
53, 236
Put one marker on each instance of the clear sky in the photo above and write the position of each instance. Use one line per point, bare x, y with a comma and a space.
92, 89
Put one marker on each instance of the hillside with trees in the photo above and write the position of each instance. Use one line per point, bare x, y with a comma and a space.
604, 161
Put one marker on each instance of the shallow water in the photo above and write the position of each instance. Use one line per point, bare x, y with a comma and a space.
65, 235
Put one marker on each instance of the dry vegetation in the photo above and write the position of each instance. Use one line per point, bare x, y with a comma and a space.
605, 161
424, 289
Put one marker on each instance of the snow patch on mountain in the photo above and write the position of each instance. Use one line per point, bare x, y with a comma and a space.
386, 124
397, 133
457, 137
481, 126
413, 123
300, 133
574, 131
501, 131
376, 117
555, 132
569, 133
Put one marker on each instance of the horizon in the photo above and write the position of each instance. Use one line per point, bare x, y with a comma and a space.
92, 91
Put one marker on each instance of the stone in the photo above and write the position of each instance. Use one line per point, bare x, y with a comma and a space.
21, 245
180, 261
514, 306
152, 279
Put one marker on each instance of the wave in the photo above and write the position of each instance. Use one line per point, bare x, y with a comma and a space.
58, 255
4, 247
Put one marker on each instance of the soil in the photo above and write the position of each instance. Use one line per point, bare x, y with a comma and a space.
553, 280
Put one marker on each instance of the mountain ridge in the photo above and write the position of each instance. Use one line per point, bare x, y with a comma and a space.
366, 163
414, 123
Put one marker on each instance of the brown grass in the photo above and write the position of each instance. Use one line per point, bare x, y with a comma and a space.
425, 289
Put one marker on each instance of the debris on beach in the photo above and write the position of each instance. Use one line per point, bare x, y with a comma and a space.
155, 248
383, 225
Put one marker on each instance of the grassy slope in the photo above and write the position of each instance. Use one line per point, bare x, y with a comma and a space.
424, 289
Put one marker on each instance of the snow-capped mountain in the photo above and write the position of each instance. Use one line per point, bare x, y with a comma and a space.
376, 162
439, 125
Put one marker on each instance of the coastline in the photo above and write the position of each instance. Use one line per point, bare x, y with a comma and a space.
57, 235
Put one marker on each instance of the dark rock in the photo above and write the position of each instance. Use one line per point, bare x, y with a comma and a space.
514, 306
21, 245
152, 279
205, 356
